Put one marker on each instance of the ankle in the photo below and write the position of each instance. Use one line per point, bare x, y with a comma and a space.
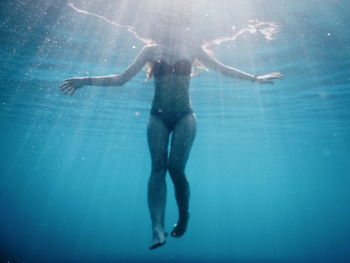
158, 228
184, 215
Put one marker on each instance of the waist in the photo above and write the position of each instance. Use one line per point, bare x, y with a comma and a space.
171, 102
156, 111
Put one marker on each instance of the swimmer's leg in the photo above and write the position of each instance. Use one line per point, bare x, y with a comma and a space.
181, 143
158, 138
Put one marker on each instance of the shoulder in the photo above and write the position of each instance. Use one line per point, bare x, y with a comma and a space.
149, 48
203, 54
148, 51
202, 51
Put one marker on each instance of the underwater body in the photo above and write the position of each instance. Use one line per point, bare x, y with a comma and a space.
269, 168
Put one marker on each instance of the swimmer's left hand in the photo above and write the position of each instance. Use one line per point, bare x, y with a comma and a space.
71, 85
268, 78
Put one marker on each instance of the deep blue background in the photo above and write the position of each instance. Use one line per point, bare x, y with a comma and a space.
269, 170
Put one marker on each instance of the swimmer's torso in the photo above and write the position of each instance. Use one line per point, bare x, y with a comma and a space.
171, 69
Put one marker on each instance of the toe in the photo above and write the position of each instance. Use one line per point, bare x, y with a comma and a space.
156, 245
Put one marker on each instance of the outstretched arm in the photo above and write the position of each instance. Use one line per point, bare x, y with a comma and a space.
71, 85
212, 63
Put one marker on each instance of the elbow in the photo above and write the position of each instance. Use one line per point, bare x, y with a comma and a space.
120, 83
116, 82
229, 74
120, 80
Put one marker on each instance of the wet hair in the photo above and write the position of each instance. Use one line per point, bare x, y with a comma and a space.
158, 29
180, 19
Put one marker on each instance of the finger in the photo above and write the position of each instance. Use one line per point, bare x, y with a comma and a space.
65, 85
72, 92
279, 75
70, 79
64, 90
67, 90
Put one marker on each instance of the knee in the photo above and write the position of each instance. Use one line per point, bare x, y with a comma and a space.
176, 172
157, 176
159, 169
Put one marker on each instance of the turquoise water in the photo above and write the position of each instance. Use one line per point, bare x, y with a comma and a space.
269, 170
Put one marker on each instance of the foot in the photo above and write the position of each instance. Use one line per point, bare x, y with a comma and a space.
180, 228
159, 237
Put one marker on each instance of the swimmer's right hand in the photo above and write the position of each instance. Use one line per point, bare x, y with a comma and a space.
71, 85
268, 78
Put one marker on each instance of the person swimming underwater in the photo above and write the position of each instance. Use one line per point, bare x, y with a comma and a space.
172, 121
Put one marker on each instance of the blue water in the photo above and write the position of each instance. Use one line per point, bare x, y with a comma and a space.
269, 170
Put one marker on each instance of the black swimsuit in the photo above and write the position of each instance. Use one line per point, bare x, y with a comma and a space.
160, 69
170, 118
